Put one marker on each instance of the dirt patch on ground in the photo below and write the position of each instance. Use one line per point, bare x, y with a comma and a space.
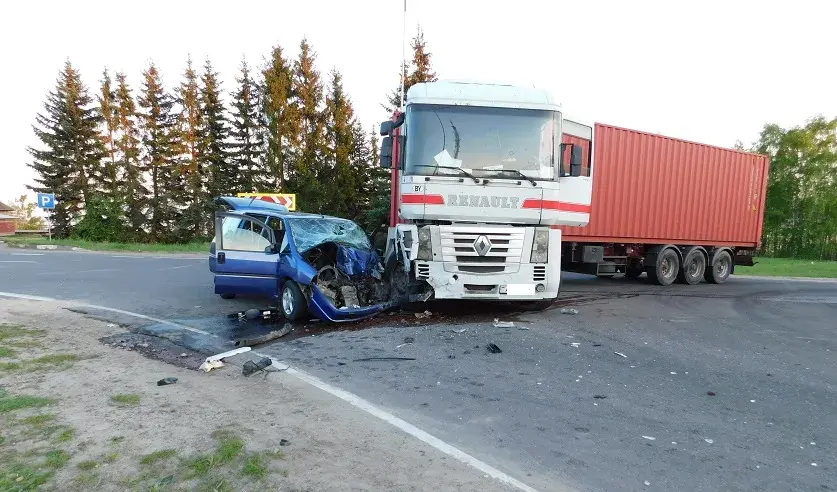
79, 414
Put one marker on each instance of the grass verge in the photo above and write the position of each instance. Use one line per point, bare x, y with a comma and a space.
126, 399
23, 241
787, 267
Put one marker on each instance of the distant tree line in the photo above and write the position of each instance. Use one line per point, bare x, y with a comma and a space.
801, 211
144, 164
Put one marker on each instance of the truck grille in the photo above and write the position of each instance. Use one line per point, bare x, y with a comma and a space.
502, 255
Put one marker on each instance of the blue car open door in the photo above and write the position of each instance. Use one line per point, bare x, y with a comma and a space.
246, 256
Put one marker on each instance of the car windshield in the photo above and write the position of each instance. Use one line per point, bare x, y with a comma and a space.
485, 142
312, 231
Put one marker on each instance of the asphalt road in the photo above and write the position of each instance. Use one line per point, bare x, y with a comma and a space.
558, 406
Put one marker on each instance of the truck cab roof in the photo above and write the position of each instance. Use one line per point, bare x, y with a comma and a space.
463, 93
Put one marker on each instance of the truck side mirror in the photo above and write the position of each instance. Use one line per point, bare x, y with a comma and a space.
386, 152
576, 153
387, 127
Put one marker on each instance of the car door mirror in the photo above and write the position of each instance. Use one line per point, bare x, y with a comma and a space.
386, 153
576, 153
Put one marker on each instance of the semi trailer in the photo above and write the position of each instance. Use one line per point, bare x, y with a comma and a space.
494, 190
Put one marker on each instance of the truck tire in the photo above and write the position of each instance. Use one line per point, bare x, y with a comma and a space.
634, 269
693, 268
721, 268
294, 306
227, 296
536, 306
665, 269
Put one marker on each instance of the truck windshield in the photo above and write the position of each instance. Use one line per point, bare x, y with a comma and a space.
481, 141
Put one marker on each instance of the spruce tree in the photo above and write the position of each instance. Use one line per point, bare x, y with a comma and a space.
191, 134
222, 175
421, 70
69, 159
247, 136
343, 191
279, 119
110, 176
160, 151
127, 144
312, 169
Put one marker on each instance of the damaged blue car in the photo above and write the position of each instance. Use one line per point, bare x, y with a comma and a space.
315, 265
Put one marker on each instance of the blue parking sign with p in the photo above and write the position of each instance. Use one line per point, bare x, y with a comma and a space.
46, 200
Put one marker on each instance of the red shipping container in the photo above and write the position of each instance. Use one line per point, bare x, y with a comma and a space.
653, 189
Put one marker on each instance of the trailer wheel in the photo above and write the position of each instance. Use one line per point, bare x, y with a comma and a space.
664, 271
693, 268
294, 306
720, 269
634, 269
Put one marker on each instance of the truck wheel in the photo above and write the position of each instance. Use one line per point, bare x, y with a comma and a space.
227, 296
693, 268
720, 270
665, 270
634, 269
294, 307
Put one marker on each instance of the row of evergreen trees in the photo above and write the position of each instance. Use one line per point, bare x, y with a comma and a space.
145, 165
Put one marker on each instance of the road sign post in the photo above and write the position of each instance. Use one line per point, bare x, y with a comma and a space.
46, 201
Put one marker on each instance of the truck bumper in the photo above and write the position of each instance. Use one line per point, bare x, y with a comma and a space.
519, 286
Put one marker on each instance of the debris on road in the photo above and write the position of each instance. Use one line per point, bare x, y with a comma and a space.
569, 311
493, 348
597, 344
267, 337
522, 327
461, 330
503, 324
251, 367
711, 393
184, 354
647, 483
166, 381
214, 361
620, 354
284, 442
599, 397
709, 441
575, 344
649, 438
673, 373
423, 315
369, 359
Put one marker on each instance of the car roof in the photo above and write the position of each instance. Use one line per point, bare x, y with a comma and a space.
262, 207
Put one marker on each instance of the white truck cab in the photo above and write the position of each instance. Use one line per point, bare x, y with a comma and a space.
482, 176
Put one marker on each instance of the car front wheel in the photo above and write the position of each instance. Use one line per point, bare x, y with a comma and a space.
294, 307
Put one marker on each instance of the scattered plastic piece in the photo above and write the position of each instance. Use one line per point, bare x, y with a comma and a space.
620, 354
709, 441
649, 438
599, 397
461, 330
214, 361
493, 348
575, 344
111, 325
209, 365
284, 442
673, 373
569, 311
423, 315
409, 339
503, 324
752, 401
184, 354
597, 344
674, 442
251, 367
813, 464
522, 327
166, 381
711, 393
647, 483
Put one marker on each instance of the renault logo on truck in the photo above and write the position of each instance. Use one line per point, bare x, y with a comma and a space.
484, 201
482, 245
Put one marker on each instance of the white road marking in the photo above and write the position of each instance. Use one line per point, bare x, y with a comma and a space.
174, 268
28, 254
17, 261
344, 395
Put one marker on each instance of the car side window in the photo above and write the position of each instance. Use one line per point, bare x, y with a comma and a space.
241, 234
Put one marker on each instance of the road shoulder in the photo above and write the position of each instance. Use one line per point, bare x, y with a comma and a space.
332, 446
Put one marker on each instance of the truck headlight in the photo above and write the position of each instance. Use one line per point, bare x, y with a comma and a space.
425, 249
540, 246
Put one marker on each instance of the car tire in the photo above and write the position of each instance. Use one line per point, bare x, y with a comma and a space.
294, 306
227, 296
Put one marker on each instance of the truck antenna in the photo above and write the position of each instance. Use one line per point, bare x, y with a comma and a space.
403, 56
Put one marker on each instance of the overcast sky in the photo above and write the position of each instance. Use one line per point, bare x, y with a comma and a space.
710, 71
